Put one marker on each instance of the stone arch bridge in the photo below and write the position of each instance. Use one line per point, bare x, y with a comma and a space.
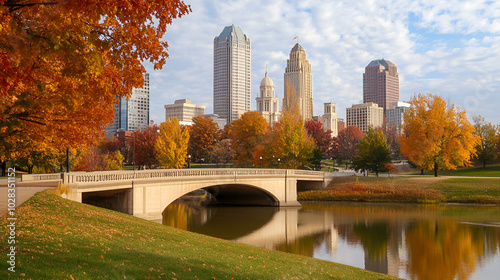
146, 193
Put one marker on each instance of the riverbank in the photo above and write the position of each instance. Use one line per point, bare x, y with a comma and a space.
62, 239
408, 189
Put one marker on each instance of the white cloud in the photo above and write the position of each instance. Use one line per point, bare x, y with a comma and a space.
448, 48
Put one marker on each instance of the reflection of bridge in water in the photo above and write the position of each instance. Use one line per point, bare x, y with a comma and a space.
146, 193
266, 227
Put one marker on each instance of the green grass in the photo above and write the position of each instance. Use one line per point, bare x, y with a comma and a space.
62, 239
409, 189
479, 171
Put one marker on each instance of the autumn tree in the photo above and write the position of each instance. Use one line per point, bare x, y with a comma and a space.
436, 135
374, 153
248, 131
346, 143
145, 140
63, 63
171, 145
223, 152
323, 139
487, 148
202, 137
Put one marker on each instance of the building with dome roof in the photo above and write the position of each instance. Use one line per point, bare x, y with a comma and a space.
381, 83
232, 73
298, 74
267, 102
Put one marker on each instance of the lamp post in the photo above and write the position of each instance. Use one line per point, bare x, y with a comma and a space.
260, 162
278, 163
189, 161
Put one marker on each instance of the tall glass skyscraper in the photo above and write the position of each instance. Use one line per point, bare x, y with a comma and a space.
133, 113
231, 73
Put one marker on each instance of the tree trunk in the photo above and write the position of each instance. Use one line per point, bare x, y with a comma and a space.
484, 164
421, 171
435, 170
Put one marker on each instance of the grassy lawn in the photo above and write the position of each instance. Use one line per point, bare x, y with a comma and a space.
62, 239
409, 189
489, 171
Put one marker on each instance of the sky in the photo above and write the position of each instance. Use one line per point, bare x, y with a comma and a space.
449, 48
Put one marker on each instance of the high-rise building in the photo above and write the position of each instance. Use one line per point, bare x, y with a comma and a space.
394, 114
330, 118
365, 115
131, 114
298, 74
267, 102
231, 73
184, 111
381, 83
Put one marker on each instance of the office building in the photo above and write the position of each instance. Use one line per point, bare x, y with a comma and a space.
394, 115
231, 73
381, 83
267, 102
184, 111
131, 114
298, 74
365, 115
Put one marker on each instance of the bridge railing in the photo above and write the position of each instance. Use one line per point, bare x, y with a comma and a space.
104, 176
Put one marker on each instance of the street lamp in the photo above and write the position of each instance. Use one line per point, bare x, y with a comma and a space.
279, 163
260, 162
189, 161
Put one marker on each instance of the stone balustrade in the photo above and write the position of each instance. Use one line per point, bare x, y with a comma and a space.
120, 175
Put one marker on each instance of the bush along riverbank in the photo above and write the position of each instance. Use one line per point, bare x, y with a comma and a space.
408, 189
62, 239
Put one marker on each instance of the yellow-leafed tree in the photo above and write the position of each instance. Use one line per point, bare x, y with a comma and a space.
437, 136
171, 145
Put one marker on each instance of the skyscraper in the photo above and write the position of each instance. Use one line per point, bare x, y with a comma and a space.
133, 113
267, 102
298, 74
231, 73
381, 83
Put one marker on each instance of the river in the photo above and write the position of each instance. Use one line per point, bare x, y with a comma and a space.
409, 241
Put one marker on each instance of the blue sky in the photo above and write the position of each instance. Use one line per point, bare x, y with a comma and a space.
447, 48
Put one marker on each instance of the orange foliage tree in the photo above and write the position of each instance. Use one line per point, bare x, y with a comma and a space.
64, 62
437, 136
248, 131
202, 136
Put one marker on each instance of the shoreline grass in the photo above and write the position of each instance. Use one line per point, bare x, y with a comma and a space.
408, 190
62, 239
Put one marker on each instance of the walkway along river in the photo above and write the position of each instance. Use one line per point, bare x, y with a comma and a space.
409, 241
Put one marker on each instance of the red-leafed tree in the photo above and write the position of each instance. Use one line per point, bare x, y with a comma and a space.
145, 140
323, 139
346, 143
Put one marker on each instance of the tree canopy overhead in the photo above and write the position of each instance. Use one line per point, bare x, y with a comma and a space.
64, 62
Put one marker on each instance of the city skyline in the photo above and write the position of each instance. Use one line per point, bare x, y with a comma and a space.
446, 49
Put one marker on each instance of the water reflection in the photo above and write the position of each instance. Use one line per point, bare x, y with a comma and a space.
408, 241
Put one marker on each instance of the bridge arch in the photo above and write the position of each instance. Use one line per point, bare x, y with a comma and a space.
149, 192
